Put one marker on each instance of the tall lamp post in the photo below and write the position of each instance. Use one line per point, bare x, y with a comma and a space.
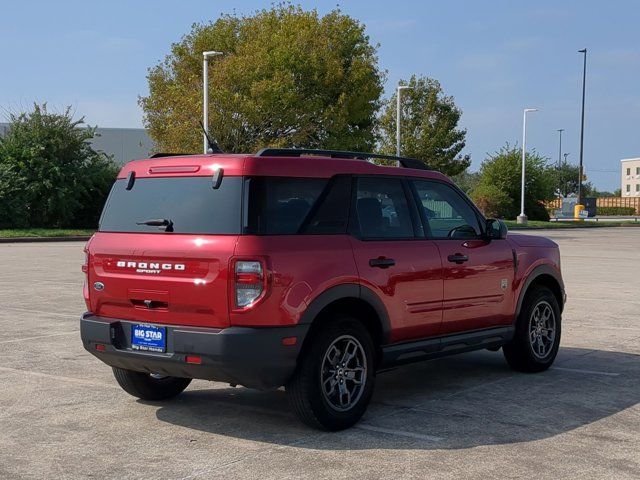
398, 115
565, 178
522, 218
205, 95
560, 130
584, 81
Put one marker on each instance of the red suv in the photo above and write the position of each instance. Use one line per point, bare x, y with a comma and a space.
308, 269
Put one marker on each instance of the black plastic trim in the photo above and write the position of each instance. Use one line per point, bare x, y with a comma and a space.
349, 290
436, 347
253, 357
536, 273
344, 154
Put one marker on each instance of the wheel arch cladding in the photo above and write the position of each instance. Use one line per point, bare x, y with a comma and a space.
355, 300
545, 276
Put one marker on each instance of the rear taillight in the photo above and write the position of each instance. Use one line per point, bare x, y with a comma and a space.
249, 282
85, 270
85, 265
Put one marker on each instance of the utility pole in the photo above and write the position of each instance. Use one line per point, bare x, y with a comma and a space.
584, 82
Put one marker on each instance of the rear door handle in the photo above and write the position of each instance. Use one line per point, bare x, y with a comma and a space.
382, 262
458, 258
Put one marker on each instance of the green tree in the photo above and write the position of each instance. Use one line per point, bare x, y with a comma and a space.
467, 181
288, 78
50, 176
565, 180
491, 200
502, 172
429, 130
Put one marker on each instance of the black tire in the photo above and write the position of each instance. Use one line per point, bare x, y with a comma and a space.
148, 387
305, 390
524, 352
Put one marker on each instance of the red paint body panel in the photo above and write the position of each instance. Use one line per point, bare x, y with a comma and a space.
480, 292
187, 277
237, 165
411, 290
300, 267
195, 296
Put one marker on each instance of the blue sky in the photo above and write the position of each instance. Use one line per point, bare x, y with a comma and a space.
494, 57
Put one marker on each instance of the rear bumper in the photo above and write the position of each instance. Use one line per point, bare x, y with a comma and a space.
253, 357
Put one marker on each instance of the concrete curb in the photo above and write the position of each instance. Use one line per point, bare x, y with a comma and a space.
628, 225
72, 238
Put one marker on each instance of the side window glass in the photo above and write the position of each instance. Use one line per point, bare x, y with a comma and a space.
448, 214
382, 210
278, 206
332, 214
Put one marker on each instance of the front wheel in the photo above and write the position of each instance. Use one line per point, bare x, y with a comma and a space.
334, 380
149, 386
537, 338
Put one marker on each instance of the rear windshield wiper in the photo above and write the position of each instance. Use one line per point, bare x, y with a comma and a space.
158, 222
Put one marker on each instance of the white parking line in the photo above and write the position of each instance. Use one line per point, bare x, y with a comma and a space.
400, 433
78, 381
42, 312
588, 372
37, 337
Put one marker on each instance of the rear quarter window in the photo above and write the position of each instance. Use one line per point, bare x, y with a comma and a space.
297, 206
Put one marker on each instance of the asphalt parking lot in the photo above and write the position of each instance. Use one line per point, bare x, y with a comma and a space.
63, 416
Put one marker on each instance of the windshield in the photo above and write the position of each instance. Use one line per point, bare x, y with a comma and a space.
191, 204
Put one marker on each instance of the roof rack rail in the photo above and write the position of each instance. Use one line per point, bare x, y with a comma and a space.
297, 152
165, 154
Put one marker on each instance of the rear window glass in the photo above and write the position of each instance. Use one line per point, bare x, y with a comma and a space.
189, 202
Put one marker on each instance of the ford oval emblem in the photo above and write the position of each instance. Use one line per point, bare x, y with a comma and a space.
99, 286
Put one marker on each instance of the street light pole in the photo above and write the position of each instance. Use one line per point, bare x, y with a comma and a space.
522, 218
398, 115
560, 130
205, 95
566, 188
584, 81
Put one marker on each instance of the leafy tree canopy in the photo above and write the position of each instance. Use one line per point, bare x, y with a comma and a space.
566, 181
429, 126
502, 172
288, 78
50, 176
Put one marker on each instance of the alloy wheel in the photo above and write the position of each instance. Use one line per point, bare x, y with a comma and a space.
542, 329
344, 373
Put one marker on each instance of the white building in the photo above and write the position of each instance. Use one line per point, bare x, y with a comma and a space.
630, 177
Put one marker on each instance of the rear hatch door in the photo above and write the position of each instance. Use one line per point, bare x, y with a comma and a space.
158, 274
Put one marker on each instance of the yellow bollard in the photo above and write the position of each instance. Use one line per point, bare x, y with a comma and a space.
576, 212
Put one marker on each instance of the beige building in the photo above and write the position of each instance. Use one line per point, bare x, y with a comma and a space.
630, 178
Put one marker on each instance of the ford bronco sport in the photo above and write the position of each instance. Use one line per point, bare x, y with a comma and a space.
308, 269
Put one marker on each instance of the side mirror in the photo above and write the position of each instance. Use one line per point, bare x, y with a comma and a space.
496, 229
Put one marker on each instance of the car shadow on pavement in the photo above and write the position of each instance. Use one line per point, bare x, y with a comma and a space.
459, 402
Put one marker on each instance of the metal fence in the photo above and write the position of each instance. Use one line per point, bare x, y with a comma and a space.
442, 209
606, 202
